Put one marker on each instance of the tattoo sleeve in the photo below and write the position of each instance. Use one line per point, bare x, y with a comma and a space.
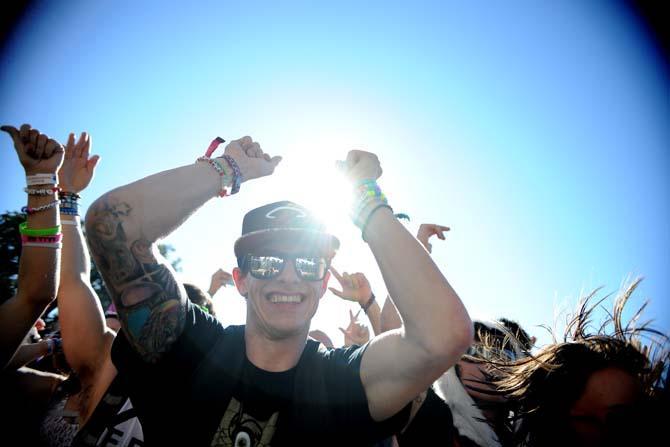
150, 302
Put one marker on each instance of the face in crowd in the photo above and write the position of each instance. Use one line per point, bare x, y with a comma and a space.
283, 283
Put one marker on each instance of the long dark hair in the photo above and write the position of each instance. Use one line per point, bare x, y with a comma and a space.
541, 389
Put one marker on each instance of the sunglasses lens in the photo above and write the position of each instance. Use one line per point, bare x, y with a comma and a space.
311, 269
265, 267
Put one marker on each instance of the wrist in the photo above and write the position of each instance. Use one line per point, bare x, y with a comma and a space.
365, 306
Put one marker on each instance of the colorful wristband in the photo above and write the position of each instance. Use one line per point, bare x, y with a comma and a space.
43, 244
25, 231
43, 239
42, 192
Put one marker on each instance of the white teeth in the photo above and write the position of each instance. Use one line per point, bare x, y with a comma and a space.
285, 298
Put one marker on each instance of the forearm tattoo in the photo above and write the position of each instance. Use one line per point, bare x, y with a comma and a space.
150, 302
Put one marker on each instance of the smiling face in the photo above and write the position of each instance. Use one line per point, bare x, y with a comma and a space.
283, 306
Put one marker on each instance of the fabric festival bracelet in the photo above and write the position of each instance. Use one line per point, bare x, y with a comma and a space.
29, 211
48, 239
42, 192
43, 244
41, 179
25, 231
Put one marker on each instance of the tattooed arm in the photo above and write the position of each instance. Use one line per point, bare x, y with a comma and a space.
123, 227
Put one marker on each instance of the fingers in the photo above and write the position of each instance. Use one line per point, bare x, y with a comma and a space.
69, 146
52, 147
24, 133
336, 292
13, 133
81, 148
336, 274
253, 150
92, 163
36, 151
244, 141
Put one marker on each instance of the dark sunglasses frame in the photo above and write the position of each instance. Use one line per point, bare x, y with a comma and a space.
246, 266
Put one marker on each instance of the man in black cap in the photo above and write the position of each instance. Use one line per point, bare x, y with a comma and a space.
194, 382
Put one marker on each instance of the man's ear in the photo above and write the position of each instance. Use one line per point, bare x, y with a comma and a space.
240, 281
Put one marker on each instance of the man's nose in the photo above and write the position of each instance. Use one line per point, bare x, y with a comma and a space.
288, 273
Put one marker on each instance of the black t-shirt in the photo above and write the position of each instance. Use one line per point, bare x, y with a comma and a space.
205, 392
433, 424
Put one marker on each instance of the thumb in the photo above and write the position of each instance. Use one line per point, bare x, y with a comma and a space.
13, 132
343, 331
336, 292
92, 163
275, 160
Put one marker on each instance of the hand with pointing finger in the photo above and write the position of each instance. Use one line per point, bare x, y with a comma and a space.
356, 333
38, 153
426, 231
355, 287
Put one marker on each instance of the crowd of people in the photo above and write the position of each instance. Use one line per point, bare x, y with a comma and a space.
158, 368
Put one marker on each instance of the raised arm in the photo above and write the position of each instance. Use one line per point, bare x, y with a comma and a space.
124, 225
400, 364
39, 265
86, 338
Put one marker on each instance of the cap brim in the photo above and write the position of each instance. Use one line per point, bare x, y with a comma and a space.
324, 243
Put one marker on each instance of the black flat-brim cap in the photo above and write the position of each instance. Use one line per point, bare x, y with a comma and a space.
288, 222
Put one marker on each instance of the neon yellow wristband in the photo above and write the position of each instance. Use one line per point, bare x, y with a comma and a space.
25, 231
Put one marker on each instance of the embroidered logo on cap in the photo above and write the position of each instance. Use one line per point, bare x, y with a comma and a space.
298, 213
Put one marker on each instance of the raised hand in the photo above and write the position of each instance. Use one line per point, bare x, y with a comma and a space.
78, 168
355, 287
37, 153
356, 333
426, 231
360, 165
251, 159
220, 278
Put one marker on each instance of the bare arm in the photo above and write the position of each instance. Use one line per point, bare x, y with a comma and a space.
38, 268
28, 352
86, 339
437, 328
123, 227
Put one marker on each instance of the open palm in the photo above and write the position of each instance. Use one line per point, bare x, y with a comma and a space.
78, 168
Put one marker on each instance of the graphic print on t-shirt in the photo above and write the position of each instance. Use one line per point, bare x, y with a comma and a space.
238, 429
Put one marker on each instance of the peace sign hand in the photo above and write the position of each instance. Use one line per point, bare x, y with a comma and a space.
355, 287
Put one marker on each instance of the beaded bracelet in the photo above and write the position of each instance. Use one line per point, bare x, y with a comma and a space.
48, 239
43, 244
25, 231
69, 204
237, 174
223, 175
41, 179
42, 192
28, 210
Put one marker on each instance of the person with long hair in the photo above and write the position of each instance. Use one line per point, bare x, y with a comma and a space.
601, 385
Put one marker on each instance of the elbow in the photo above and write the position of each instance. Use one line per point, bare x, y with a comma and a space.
447, 345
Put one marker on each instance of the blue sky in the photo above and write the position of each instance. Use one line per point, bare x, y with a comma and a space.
537, 130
